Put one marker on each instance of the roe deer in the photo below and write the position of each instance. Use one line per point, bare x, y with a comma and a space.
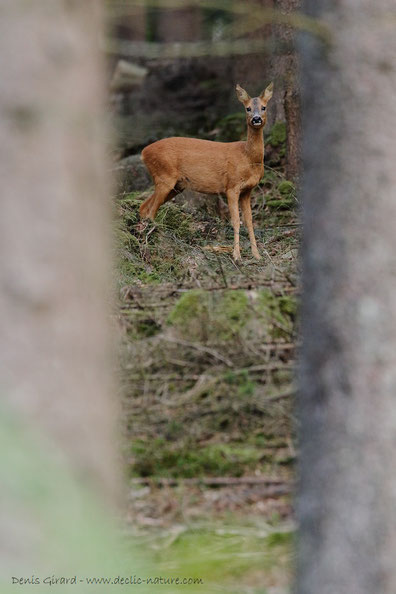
230, 168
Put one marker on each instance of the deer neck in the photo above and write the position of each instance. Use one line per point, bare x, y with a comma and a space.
254, 146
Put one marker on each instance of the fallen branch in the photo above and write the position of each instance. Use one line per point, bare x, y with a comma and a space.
219, 249
278, 485
281, 236
127, 292
280, 396
162, 377
200, 348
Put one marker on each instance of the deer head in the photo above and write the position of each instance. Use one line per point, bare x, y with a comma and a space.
255, 107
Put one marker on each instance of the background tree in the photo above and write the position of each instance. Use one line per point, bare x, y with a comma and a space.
286, 104
346, 406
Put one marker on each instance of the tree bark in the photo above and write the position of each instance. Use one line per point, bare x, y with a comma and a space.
293, 123
346, 407
54, 257
286, 100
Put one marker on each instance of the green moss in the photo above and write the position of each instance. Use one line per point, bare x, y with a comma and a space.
233, 313
191, 315
146, 327
286, 188
230, 377
277, 135
266, 300
163, 459
276, 204
211, 317
234, 556
219, 317
276, 539
282, 196
279, 311
288, 305
245, 386
129, 271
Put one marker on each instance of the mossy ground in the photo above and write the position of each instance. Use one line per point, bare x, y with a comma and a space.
207, 347
207, 359
231, 558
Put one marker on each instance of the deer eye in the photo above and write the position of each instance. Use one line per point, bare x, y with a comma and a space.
263, 108
248, 109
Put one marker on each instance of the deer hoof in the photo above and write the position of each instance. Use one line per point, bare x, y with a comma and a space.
144, 209
256, 255
237, 256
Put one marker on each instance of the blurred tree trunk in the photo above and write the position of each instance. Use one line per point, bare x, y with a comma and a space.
54, 362
346, 407
179, 24
286, 100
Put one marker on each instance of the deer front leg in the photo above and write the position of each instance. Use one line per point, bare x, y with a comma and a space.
233, 205
247, 217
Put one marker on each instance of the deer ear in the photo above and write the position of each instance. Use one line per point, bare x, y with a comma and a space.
242, 94
267, 94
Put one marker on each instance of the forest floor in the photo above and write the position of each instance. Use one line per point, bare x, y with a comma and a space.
207, 356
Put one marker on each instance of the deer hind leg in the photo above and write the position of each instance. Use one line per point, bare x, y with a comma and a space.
247, 217
233, 205
159, 199
145, 207
163, 192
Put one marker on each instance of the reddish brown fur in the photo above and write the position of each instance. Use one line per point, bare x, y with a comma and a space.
232, 168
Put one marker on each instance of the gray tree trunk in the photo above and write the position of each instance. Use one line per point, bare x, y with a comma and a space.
285, 105
347, 406
54, 257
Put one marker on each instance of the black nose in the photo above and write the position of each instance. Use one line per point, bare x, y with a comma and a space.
257, 120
